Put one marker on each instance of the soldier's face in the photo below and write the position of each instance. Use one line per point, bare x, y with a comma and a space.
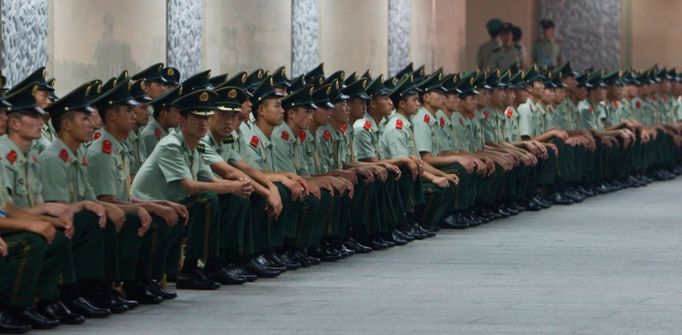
271, 111
410, 104
245, 110
509, 97
154, 89
536, 89
42, 99
469, 103
141, 115
615, 92
521, 96
382, 104
194, 126
570, 83
548, 33
223, 123
581, 93
322, 115
483, 98
80, 127
96, 120
433, 99
559, 95
341, 112
26, 126
498, 97
173, 117
122, 117
452, 102
300, 117
358, 107
547, 96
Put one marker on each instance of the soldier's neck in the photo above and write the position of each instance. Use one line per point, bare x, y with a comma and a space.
264, 127
117, 133
294, 128
448, 112
22, 143
335, 124
216, 136
431, 109
70, 142
376, 116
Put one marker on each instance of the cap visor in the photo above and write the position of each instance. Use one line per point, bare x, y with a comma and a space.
131, 102
364, 96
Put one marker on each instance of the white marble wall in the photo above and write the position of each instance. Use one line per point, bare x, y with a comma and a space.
398, 35
590, 31
305, 35
24, 37
184, 26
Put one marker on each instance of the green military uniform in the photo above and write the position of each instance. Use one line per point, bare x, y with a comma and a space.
151, 135
137, 149
366, 138
504, 58
462, 130
444, 131
485, 57
529, 116
546, 53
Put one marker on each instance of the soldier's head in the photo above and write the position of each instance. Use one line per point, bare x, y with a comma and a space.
155, 79
517, 33
506, 35
452, 101
483, 98
196, 109
493, 27
24, 117
469, 103
548, 28
3, 118
228, 106
559, 95
498, 97
165, 113
536, 88
269, 111
116, 106
72, 115
547, 97
509, 97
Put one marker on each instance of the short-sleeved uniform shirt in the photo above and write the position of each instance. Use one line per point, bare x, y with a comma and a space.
510, 124
64, 174
529, 116
259, 149
367, 138
546, 53
506, 57
151, 135
171, 161
138, 152
329, 143
565, 115
461, 132
21, 174
443, 131
311, 149
424, 127
287, 151
587, 115
398, 138
109, 167
214, 151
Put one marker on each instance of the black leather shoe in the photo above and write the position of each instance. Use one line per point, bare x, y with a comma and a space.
375, 244
299, 257
195, 281
453, 222
130, 303
404, 236
241, 270
358, 247
425, 231
164, 293
384, 241
116, 306
58, 311
282, 261
259, 270
391, 237
33, 317
325, 254
224, 278
313, 260
138, 291
268, 264
85, 308
10, 323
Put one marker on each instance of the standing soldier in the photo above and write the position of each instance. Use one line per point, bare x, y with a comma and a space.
484, 56
546, 50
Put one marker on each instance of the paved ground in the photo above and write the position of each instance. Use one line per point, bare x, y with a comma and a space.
610, 265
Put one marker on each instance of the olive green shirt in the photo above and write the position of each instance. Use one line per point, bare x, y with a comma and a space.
109, 167
546, 53
424, 128
311, 148
138, 152
484, 57
398, 138
64, 174
443, 131
259, 149
328, 141
21, 174
510, 125
214, 152
461, 133
503, 57
287, 151
170, 162
151, 135
367, 138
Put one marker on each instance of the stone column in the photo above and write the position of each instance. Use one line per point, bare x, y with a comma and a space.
24, 38
183, 34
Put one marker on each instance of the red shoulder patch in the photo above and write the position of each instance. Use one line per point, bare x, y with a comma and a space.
254, 141
589, 109
327, 135
486, 115
285, 135
106, 147
96, 135
85, 161
509, 113
12, 156
301, 135
461, 121
157, 133
399, 124
441, 122
367, 125
427, 118
638, 104
343, 128
615, 104
64, 155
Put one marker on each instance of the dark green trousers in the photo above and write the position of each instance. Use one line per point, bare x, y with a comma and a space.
235, 225
86, 255
32, 268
